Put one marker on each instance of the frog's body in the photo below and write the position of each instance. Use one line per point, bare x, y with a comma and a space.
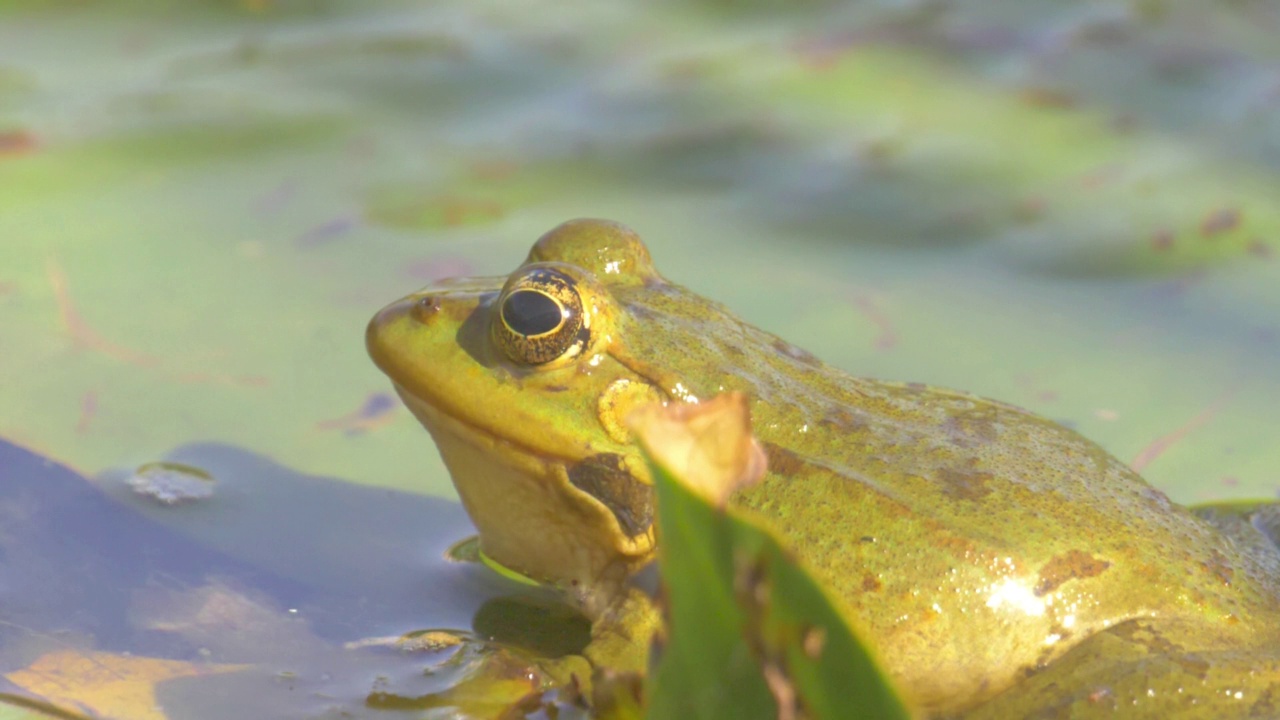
973, 543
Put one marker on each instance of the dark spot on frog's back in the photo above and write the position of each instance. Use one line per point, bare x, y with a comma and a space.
1219, 567
782, 461
964, 483
1071, 565
605, 478
639, 311
971, 428
841, 419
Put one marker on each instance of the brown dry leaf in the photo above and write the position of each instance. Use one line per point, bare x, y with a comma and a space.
707, 445
108, 685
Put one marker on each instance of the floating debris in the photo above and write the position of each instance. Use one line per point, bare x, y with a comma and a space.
172, 483
413, 642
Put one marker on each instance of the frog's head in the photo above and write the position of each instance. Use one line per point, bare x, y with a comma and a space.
523, 385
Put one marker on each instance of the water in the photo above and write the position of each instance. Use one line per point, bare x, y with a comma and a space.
1063, 206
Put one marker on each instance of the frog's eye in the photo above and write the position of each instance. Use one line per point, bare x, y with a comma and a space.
540, 318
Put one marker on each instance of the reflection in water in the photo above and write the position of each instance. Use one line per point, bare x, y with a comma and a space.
277, 572
540, 625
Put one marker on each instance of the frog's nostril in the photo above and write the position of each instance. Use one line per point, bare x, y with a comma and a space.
425, 308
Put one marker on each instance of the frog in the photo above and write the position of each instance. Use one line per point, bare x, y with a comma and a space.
1000, 563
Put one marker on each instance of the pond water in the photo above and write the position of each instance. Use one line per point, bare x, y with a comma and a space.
1067, 206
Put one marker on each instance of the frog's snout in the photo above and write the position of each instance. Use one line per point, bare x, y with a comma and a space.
376, 332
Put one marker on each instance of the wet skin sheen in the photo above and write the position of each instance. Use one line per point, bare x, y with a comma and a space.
1001, 564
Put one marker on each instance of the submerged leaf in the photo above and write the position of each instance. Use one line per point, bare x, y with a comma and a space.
109, 685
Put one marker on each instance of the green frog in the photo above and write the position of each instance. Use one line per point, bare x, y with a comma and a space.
1001, 564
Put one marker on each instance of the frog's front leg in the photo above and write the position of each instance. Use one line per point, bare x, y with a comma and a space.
510, 666
622, 635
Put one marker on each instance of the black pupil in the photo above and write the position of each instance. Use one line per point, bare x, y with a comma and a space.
529, 312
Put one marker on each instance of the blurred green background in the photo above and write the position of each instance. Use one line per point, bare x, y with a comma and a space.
1071, 206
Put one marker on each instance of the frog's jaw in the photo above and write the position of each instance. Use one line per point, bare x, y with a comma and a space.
531, 518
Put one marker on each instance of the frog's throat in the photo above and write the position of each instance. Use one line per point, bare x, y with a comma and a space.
531, 517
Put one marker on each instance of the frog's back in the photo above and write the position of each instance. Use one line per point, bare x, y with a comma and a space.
973, 541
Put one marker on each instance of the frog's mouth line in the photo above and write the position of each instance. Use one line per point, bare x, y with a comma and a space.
597, 484
433, 417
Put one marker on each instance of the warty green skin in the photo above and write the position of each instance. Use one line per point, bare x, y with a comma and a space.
999, 562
